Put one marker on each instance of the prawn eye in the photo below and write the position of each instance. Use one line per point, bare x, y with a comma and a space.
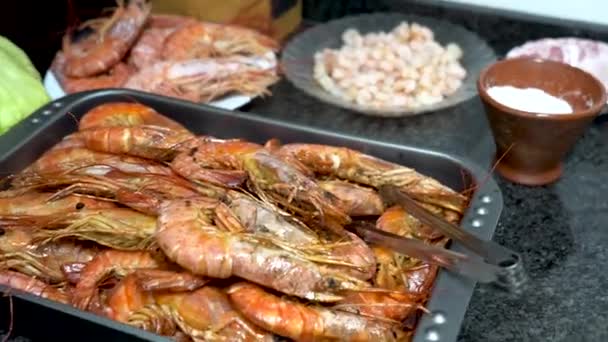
79, 205
2, 231
332, 283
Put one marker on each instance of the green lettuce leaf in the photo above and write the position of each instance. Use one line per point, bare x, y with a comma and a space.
21, 91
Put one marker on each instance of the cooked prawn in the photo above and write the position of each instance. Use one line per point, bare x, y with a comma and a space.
301, 322
114, 77
109, 43
361, 168
188, 238
126, 114
203, 80
38, 203
86, 161
32, 285
207, 314
150, 142
105, 264
204, 40
358, 200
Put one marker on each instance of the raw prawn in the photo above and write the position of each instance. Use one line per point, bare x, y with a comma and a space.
126, 114
109, 43
203, 80
301, 322
362, 168
187, 238
32, 285
209, 40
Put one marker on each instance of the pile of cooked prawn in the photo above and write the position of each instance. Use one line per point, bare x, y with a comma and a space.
166, 54
138, 219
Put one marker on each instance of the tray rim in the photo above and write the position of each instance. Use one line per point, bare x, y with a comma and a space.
429, 327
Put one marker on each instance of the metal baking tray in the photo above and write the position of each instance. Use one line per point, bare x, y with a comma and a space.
30, 138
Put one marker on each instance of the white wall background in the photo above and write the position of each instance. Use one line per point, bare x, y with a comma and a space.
594, 11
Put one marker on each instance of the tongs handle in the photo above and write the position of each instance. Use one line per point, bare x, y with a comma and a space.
507, 263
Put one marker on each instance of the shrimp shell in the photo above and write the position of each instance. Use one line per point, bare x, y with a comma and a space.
306, 323
107, 46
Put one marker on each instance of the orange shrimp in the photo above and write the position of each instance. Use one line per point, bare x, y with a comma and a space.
350, 253
215, 161
204, 80
118, 228
301, 322
168, 20
187, 237
359, 201
278, 182
32, 285
106, 264
126, 114
114, 77
109, 43
208, 315
126, 298
361, 168
204, 40
397, 221
228, 163
148, 48
86, 161
35, 203
150, 142
141, 192
18, 251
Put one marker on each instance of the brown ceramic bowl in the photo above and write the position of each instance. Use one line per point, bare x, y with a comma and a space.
532, 145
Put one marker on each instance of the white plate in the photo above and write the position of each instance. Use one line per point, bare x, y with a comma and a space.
231, 102
588, 55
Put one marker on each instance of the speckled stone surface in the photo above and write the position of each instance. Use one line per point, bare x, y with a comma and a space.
560, 229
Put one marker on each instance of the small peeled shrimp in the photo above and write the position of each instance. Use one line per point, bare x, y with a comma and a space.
302, 322
108, 44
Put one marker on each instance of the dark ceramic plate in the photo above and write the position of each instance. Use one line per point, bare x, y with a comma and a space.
298, 57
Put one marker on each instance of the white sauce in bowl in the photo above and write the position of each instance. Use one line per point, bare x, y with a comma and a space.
529, 100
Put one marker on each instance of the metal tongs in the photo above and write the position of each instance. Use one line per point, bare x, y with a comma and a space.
493, 263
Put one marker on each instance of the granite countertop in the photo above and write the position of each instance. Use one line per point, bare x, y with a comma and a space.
558, 228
